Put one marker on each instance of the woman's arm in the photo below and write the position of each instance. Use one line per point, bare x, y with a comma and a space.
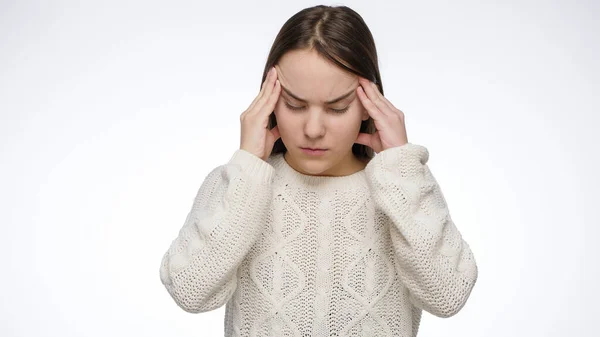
433, 261
199, 270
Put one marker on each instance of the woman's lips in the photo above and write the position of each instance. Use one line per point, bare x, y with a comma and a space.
313, 152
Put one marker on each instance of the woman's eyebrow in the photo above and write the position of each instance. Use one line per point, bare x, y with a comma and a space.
328, 102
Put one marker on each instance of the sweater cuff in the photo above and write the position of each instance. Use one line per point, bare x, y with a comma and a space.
253, 166
408, 159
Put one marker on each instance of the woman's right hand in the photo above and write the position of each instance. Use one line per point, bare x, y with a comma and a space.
256, 138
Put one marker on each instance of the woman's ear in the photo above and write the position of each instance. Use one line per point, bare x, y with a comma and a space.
365, 115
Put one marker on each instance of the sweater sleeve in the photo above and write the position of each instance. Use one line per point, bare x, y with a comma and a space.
199, 270
432, 259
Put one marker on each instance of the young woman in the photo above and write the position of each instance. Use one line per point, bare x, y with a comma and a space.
326, 221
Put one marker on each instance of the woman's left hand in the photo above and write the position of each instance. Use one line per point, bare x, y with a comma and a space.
389, 121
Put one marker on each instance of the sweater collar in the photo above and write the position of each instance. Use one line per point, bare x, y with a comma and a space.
288, 173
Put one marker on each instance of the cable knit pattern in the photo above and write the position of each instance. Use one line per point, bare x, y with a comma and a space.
433, 261
298, 255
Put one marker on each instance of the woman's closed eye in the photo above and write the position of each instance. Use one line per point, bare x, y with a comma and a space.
296, 108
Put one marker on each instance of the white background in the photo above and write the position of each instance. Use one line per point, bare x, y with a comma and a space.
113, 112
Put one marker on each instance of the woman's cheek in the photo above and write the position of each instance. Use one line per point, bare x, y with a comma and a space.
343, 122
278, 111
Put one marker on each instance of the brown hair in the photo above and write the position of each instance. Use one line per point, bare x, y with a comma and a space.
338, 34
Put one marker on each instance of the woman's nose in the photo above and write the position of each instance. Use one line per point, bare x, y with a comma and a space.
314, 127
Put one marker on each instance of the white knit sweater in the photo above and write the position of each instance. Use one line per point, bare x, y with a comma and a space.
299, 255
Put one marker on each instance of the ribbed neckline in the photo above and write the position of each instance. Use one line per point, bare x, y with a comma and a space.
288, 173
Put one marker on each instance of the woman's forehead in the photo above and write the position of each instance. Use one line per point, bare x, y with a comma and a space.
314, 80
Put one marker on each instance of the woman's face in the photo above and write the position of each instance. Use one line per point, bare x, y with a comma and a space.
311, 120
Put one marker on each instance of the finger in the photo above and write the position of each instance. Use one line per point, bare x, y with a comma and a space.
392, 108
262, 90
272, 101
270, 79
364, 139
275, 132
266, 95
374, 95
384, 99
370, 140
369, 105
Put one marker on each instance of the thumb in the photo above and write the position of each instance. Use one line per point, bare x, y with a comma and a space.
364, 139
275, 132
